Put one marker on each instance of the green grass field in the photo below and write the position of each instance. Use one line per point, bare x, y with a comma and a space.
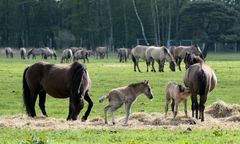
107, 74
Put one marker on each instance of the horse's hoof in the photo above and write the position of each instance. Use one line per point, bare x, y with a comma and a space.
83, 119
114, 123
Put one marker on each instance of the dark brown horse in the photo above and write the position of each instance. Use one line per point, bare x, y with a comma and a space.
59, 81
201, 80
180, 52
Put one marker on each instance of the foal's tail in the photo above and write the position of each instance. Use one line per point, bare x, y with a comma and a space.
26, 94
102, 99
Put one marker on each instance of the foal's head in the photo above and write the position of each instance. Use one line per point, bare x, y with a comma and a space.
147, 89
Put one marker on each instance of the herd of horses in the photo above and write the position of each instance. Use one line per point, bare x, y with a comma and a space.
73, 81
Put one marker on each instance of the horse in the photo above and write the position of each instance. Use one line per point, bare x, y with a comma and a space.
177, 93
59, 81
126, 95
159, 54
35, 52
66, 55
23, 53
138, 52
75, 49
47, 52
81, 54
201, 80
122, 54
179, 53
9, 52
101, 52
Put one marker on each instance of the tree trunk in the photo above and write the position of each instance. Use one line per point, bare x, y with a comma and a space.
140, 21
125, 25
154, 22
111, 25
158, 25
169, 25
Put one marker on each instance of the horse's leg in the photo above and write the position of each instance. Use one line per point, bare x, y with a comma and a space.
127, 109
114, 108
105, 113
42, 99
90, 105
32, 107
175, 108
194, 105
203, 99
185, 107
76, 104
172, 105
166, 106
153, 68
147, 64
179, 63
137, 61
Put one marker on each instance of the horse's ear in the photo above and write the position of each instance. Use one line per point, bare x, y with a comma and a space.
145, 81
181, 88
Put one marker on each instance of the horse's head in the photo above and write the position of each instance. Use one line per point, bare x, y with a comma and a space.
191, 58
147, 89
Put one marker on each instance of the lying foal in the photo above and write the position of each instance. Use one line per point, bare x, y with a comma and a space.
126, 95
177, 93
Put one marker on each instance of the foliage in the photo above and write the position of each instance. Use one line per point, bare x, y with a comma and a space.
39, 23
31, 139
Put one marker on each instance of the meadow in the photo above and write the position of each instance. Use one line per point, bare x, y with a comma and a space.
107, 74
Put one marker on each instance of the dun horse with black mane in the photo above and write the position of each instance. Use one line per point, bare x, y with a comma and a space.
59, 81
200, 79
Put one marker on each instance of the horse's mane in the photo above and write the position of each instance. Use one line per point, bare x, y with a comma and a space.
77, 71
135, 84
169, 55
30, 51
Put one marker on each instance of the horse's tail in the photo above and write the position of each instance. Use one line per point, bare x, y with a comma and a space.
102, 99
26, 93
202, 82
134, 59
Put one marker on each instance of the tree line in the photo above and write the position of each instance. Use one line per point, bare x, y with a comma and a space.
114, 23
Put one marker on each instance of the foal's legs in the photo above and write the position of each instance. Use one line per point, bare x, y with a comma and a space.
166, 106
127, 109
185, 107
172, 105
175, 108
90, 105
42, 99
105, 113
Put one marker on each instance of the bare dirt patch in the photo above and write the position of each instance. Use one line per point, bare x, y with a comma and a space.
218, 115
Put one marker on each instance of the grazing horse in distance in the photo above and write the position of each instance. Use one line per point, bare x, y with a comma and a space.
66, 56
101, 52
35, 52
179, 53
59, 81
9, 52
122, 54
126, 95
159, 54
23, 53
81, 54
201, 80
47, 52
138, 52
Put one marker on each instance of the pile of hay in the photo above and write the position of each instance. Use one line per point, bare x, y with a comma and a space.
221, 110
